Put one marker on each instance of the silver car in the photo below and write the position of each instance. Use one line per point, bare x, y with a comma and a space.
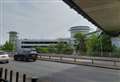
4, 57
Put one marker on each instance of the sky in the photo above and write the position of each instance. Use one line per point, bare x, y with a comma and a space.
38, 19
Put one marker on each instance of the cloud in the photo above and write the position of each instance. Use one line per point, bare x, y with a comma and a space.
39, 18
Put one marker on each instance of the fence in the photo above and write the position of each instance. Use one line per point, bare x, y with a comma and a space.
75, 58
7, 76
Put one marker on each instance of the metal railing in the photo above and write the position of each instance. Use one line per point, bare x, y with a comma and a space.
7, 76
75, 58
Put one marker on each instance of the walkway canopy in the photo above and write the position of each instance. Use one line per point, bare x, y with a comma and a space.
105, 14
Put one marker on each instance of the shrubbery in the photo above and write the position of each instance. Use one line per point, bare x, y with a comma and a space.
60, 48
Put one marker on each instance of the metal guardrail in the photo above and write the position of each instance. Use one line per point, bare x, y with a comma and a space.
7, 76
75, 58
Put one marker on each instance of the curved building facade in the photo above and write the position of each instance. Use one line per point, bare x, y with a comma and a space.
76, 29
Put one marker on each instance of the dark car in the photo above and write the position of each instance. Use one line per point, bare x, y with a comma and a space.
26, 56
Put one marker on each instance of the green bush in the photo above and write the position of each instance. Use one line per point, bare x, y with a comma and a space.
42, 50
60, 48
68, 50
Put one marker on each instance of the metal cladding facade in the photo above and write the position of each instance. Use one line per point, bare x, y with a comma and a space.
82, 29
105, 14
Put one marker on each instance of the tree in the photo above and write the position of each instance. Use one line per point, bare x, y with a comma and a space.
97, 45
60, 47
106, 43
67, 49
51, 49
92, 44
63, 48
9, 47
79, 43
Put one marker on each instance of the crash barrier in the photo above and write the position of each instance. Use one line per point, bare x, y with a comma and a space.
7, 76
76, 58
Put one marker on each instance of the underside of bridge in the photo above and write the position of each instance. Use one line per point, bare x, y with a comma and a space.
105, 14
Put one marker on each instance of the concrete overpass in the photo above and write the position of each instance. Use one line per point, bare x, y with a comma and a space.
105, 14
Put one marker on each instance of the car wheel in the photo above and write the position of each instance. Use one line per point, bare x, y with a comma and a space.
15, 58
34, 59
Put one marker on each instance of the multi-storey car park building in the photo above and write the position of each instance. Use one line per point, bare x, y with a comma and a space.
28, 44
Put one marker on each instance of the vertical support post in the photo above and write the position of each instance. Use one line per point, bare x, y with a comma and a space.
5, 76
49, 57
40, 56
17, 76
74, 59
60, 58
11, 75
34, 79
114, 63
24, 77
1, 72
92, 61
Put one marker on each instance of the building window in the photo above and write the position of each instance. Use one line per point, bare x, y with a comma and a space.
32, 46
39, 42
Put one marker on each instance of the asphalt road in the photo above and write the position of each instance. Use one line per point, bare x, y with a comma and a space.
59, 72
